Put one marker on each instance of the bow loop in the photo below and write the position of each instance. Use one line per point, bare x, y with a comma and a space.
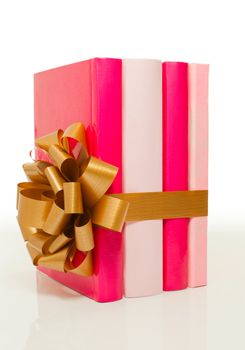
40, 241
97, 176
61, 240
54, 178
73, 198
32, 208
46, 141
56, 261
65, 162
35, 171
84, 233
75, 132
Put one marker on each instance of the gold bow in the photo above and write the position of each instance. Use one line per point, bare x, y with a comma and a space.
57, 209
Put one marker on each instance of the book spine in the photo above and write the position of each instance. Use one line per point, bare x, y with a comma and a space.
175, 171
198, 169
106, 80
142, 171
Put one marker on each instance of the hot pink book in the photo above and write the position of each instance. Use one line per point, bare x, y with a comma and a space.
88, 92
175, 171
198, 169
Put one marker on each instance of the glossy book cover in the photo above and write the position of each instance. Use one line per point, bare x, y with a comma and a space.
89, 92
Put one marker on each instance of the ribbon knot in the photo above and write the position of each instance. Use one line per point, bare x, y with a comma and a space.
64, 199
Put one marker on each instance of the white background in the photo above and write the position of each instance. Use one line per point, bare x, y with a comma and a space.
35, 312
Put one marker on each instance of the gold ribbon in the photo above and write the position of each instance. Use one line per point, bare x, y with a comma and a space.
59, 206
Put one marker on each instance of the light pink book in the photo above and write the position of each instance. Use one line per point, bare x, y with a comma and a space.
142, 171
198, 169
88, 92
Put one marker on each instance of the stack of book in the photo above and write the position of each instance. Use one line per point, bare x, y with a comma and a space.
150, 119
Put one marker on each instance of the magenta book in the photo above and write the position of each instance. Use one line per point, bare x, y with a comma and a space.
89, 92
175, 171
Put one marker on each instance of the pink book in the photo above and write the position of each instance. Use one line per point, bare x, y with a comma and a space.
88, 92
175, 171
198, 169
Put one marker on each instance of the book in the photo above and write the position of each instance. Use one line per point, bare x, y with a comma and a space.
175, 171
198, 169
88, 92
142, 171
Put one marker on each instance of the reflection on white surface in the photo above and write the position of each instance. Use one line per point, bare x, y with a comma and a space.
37, 313
68, 320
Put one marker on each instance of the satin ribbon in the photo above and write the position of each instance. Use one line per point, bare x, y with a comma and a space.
59, 206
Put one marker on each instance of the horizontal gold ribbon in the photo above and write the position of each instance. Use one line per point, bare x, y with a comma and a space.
59, 206
165, 205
